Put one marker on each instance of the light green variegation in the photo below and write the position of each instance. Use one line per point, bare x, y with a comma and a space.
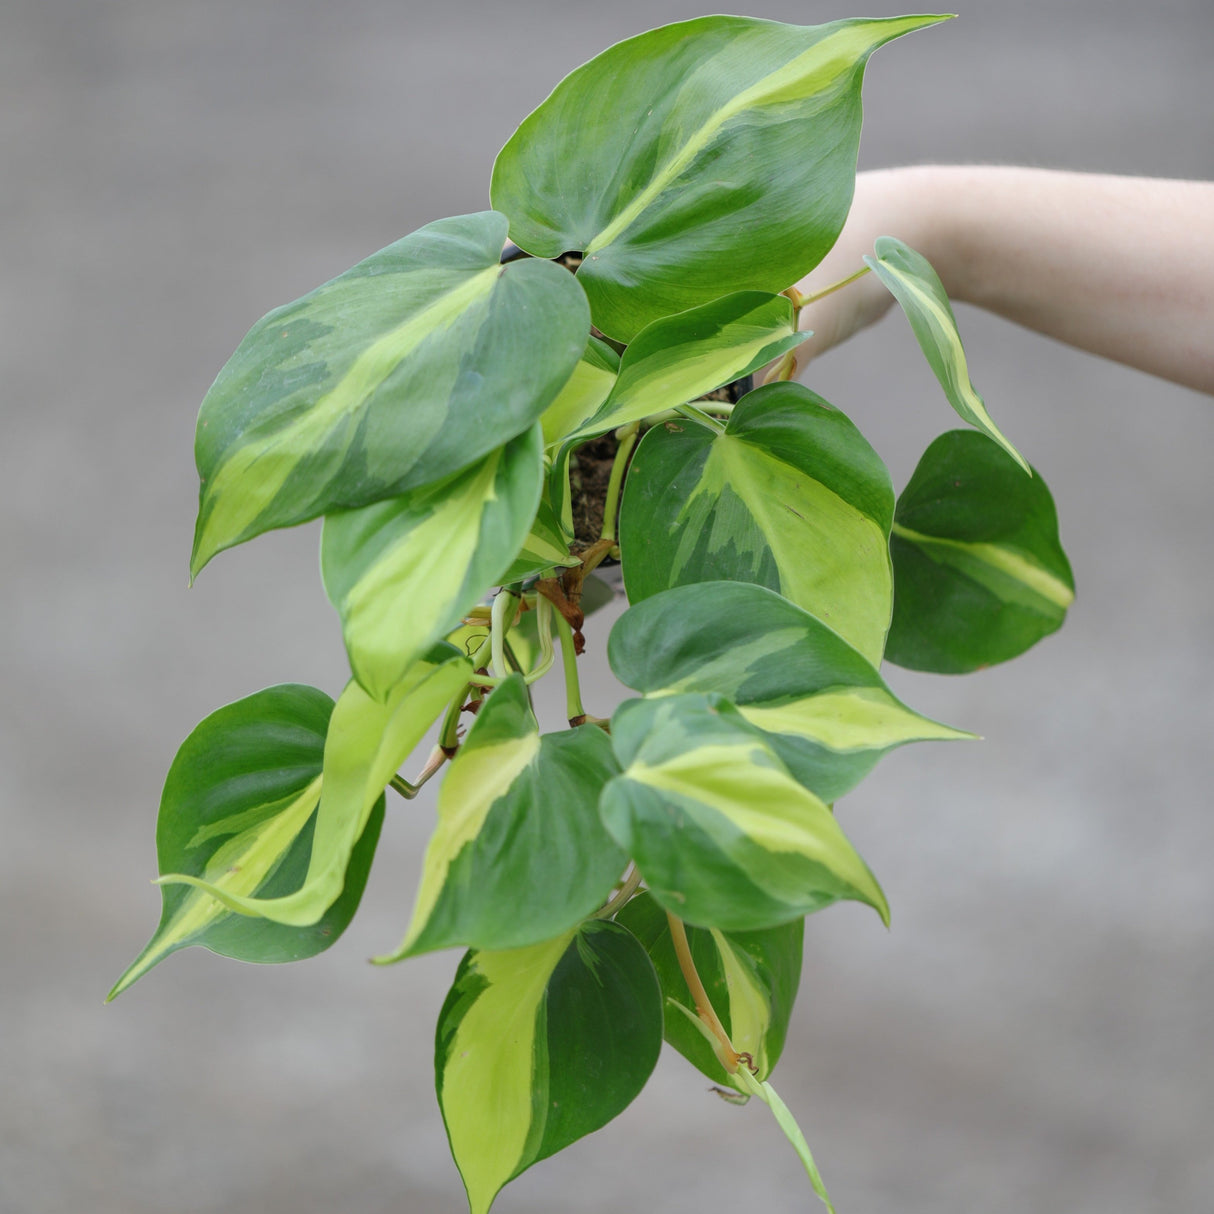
403, 572
405, 369
751, 978
980, 574
366, 742
238, 811
790, 496
537, 1047
826, 710
721, 831
588, 387
677, 358
701, 158
547, 543
791, 1130
517, 811
918, 290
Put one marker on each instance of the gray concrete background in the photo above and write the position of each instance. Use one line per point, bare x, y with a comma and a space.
1034, 1033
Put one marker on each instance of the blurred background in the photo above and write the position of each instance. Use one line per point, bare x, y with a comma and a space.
1034, 1033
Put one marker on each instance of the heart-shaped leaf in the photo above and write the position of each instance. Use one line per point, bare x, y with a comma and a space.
979, 571
537, 1047
518, 826
403, 572
721, 831
700, 158
366, 742
823, 706
239, 811
790, 496
410, 366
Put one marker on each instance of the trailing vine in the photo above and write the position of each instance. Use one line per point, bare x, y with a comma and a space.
480, 431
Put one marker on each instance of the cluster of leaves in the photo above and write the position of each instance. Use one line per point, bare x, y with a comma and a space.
645, 877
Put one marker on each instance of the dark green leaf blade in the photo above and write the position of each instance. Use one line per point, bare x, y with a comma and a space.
405, 369
918, 290
979, 571
403, 572
239, 808
791, 496
538, 1047
656, 154
822, 705
518, 826
721, 831
751, 979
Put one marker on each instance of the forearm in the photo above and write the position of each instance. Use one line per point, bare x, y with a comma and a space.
1122, 267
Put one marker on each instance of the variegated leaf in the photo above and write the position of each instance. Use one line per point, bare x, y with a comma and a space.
518, 826
979, 571
918, 290
367, 741
403, 572
751, 979
539, 1046
790, 496
678, 358
653, 157
410, 366
824, 707
588, 386
721, 831
239, 811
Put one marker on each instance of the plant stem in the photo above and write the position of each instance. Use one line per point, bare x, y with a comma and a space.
448, 736
698, 415
573, 688
628, 439
783, 371
622, 895
726, 1054
502, 604
547, 655
437, 758
830, 290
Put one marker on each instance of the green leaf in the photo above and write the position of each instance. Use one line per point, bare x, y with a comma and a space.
238, 810
917, 288
518, 826
540, 1046
678, 358
823, 706
979, 572
366, 742
410, 366
791, 496
751, 979
721, 831
403, 572
588, 386
701, 158
547, 543
788, 1125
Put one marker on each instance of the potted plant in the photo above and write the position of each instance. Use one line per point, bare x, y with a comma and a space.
483, 413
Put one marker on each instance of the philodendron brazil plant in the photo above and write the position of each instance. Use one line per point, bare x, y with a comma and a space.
483, 413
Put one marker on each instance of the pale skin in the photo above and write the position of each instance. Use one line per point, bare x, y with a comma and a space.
1120, 266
